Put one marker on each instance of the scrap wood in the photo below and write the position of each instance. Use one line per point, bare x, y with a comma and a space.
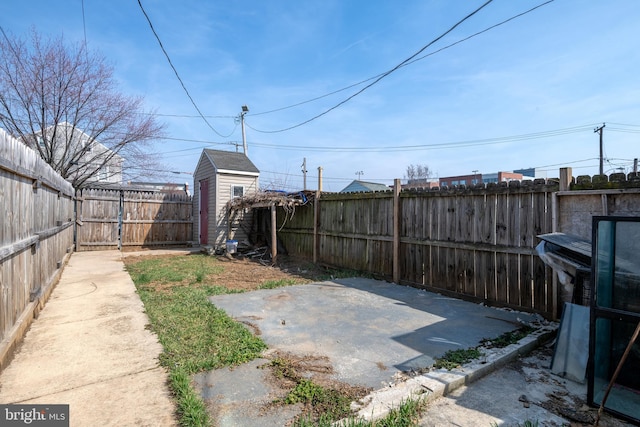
286, 200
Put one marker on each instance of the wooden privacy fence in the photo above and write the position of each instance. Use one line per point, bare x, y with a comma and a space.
113, 219
479, 244
475, 243
36, 237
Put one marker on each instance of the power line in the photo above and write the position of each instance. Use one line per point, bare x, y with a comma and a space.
189, 116
84, 26
420, 147
178, 75
437, 145
385, 74
403, 65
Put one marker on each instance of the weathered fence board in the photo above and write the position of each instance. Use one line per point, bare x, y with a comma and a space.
35, 237
474, 243
115, 218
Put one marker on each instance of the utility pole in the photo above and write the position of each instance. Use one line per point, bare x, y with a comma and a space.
599, 130
359, 173
320, 179
244, 111
304, 173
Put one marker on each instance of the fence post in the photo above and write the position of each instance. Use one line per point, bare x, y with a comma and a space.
396, 230
316, 222
77, 207
274, 236
565, 179
120, 219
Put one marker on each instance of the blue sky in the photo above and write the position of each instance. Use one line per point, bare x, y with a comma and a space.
528, 93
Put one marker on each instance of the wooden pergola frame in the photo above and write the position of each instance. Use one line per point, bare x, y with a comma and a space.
272, 201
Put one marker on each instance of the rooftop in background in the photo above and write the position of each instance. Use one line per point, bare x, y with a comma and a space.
164, 187
357, 186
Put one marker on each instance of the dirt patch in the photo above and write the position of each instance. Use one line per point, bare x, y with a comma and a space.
244, 274
308, 380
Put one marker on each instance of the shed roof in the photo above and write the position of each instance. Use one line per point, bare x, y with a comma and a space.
230, 161
364, 186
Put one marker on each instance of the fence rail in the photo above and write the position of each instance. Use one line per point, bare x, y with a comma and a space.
36, 237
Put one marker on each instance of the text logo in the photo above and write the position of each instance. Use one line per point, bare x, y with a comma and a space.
34, 415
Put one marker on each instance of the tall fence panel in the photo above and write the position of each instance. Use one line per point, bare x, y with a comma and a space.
477, 243
117, 218
36, 237
357, 231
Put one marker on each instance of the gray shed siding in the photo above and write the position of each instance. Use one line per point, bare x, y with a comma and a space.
241, 220
205, 170
221, 183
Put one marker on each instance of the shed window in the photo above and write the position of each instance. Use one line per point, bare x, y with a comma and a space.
237, 191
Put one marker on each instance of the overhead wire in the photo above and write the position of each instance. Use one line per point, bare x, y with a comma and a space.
402, 65
420, 147
184, 87
84, 25
383, 75
436, 145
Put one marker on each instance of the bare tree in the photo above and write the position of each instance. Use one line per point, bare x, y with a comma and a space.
416, 173
62, 101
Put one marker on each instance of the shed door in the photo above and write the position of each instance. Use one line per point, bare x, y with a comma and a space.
204, 211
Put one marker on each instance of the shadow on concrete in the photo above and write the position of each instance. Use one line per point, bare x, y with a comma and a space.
462, 325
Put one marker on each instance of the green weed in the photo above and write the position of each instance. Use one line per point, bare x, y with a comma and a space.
454, 358
166, 270
508, 338
196, 336
406, 415
273, 284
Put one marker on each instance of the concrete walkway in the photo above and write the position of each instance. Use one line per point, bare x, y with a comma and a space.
90, 349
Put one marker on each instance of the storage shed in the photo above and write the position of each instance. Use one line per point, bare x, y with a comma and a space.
219, 177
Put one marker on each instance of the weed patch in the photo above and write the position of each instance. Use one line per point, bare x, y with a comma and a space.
273, 284
196, 336
307, 381
454, 358
508, 338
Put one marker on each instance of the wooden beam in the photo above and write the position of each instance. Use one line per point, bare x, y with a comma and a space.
8, 251
274, 235
396, 230
316, 222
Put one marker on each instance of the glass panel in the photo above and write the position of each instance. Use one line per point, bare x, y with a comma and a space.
626, 286
611, 340
604, 262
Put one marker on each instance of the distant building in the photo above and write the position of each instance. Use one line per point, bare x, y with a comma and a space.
421, 183
474, 179
532, 173
357, 186
501, 177
450, 181
162, 187
82, 155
